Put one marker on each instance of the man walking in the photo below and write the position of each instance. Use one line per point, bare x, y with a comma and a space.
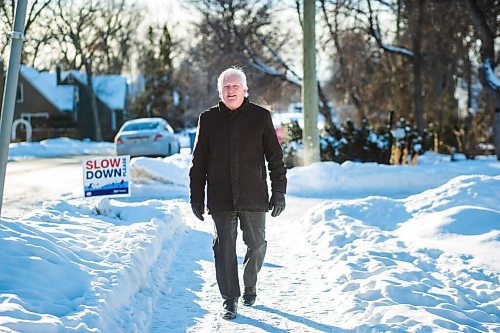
233, 139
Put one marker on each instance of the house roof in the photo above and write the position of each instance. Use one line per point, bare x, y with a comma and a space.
110, 89
62, 97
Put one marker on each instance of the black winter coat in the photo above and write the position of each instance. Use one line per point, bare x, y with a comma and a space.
229, 155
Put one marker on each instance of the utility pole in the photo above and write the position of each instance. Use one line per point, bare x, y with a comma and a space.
310, 133
10, 91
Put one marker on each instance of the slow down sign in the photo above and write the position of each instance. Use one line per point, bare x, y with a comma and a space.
106, 176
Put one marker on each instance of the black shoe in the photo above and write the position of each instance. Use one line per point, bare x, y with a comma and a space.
230, 308
249, 296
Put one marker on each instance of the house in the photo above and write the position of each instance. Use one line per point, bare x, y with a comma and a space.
111, 95
57, 103
49, 109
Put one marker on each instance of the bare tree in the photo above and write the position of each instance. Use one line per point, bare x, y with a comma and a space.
36, 20
76, 23
361, 74
416, 8
95, 35
102, 30
487, 32
118, 28
346, 68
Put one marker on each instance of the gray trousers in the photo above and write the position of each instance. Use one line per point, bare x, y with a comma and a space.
226, 265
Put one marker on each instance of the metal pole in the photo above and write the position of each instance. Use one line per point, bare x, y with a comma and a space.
10, 91
310, 86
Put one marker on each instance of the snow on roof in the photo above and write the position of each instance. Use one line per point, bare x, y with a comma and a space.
63, 97
110, 89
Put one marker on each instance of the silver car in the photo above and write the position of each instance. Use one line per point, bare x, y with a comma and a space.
146, 137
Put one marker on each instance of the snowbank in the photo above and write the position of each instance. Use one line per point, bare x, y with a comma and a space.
349, 179
82, 266
169, 170
59, 147
426, 262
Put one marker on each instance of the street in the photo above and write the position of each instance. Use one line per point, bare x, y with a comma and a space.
29, 182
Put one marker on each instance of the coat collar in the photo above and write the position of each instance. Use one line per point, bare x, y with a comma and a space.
242, 108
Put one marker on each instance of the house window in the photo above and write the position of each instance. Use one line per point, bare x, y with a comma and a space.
20, 93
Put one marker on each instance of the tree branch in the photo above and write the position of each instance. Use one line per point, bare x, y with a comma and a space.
297, 7
378, 37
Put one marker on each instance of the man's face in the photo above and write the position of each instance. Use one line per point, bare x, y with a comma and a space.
232, 92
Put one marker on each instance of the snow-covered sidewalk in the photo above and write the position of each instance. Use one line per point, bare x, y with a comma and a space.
192, 300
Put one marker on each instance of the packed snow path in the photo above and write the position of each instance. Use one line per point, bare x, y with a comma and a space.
287, 301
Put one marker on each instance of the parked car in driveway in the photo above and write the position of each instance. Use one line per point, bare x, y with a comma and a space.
146, 137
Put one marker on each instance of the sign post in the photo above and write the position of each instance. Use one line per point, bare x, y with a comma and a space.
9, 95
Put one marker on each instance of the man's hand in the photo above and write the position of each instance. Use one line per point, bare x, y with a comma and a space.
198, 209
277, 203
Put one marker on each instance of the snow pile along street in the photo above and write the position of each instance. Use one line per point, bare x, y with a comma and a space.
360, 248
59, 147
78, 266
170, 170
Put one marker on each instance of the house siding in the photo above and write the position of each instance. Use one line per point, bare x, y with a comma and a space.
57, 124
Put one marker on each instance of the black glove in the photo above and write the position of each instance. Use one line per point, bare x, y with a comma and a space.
198, 209
277, 203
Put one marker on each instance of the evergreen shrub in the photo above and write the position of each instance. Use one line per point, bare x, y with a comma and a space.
364, 144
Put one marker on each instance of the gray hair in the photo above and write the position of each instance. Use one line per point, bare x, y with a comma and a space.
232, 71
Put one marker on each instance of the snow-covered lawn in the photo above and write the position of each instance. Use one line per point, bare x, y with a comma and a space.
360, 248
58, 147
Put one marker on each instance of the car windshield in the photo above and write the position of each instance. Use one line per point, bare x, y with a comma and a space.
141, 126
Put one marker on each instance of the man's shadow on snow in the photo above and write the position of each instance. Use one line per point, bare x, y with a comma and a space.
298, 319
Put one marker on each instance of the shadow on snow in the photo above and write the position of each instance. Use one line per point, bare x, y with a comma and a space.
298, 319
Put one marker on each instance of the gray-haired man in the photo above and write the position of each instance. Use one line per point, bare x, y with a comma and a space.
233, 141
